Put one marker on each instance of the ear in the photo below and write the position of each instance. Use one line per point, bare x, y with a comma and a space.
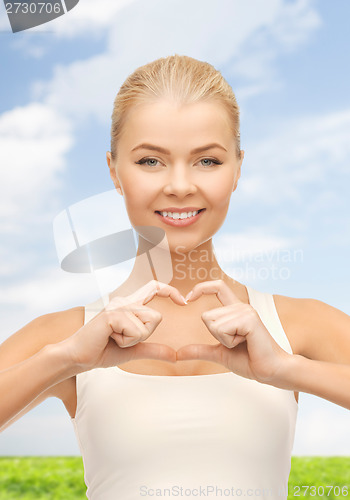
113, 173
239, 164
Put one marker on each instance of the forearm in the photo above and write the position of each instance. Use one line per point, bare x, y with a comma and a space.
22, 383
327, 380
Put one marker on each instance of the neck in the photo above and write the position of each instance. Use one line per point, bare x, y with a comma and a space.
182, 268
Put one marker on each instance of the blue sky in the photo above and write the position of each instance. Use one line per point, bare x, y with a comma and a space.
288, 223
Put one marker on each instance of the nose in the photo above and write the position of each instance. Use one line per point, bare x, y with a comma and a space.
179, 181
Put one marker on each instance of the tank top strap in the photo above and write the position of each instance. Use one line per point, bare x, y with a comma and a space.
264, 305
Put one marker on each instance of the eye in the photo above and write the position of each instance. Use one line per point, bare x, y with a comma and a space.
145, 160
154, 160
216, 162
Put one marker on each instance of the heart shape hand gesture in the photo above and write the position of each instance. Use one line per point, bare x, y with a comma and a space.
245, 345
117, 333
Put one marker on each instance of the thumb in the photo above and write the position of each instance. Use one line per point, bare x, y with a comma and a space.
200, 351
151, 350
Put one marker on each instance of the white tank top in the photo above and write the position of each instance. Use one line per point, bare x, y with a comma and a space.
212, 436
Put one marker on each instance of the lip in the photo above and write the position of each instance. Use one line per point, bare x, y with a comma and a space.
180, 222
180, 209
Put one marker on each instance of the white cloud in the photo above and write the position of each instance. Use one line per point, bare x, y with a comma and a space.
92, 15
37, 292
88, 18
301, 154
51, 289
256, 256
33, 142
144, 31
83, 89
289, 23
253, 244
295, 22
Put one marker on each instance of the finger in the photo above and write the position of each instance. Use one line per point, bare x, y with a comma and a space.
149, 317
201, 351
146, 293
128, 330
229, 324
163, 290
224, 330
150, 350
134, 324
219, 312
116, 303
238, 340
142, 294
218, 287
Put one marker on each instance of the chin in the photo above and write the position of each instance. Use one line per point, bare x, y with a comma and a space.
182, 247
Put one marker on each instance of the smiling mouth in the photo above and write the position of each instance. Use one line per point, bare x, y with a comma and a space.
179, 215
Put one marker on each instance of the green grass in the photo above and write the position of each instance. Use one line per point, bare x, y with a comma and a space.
62, 478
319, 471
29, 478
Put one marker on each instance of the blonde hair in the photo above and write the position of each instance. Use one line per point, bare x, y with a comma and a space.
181, 79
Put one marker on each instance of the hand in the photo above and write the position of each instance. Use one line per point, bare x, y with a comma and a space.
245, 345
125, 323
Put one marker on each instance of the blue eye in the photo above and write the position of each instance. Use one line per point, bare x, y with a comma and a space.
216, 162
145, 160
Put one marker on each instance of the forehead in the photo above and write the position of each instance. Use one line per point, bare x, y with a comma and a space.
168, 124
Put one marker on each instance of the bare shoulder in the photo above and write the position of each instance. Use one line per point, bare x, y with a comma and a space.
46, 329
318, 330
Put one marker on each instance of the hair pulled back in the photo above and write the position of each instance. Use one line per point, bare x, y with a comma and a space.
180, 79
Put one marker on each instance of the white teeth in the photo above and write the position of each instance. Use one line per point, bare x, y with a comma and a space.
177, 215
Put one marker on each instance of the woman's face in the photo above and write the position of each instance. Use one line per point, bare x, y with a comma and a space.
158, 170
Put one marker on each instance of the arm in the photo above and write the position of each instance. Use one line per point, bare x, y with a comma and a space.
322, 336
36, 360
32, 367
327, 380
24, 382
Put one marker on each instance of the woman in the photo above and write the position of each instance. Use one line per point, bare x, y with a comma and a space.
206, 401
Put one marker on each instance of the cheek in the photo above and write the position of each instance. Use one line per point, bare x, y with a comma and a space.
220, 192
134, 200
137, 198
134, 189
134, 180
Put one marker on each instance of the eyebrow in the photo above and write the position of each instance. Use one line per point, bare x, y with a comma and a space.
167, 152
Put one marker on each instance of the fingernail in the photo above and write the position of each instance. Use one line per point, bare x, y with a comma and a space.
189, 295
183, 298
